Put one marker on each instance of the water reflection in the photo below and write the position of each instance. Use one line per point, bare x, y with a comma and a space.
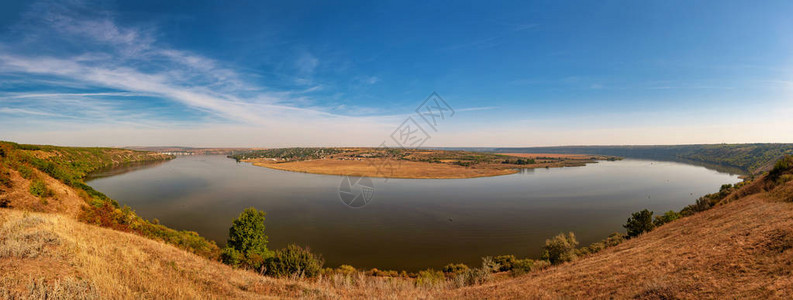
410, 224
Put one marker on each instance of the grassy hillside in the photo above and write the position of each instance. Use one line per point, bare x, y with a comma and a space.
735, 243
750, 158
50, 179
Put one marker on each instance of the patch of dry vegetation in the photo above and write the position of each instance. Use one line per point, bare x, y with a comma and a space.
113, 264
407, 163
404, 169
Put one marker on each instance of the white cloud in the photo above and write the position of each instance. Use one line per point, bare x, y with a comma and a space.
136, 64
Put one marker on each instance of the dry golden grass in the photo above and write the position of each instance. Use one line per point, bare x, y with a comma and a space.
65, 199
58, 253
367, 167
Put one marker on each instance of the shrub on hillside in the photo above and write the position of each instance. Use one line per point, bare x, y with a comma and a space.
477, 276
783, 165
612, 240
39, 189
455, 268
293, 261
702, 204
784, 178
639, 222
345, 269
5, 178
522, 266
106, 215
489, 264
505, 261
473, 276
430, 278
232, 257
666, 218
541, 264
25, 171
560, 248
383, 273
184, 239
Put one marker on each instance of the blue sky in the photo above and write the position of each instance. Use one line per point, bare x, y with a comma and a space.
319, 73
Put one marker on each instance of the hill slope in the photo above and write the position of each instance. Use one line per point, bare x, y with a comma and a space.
743, 247
54, 255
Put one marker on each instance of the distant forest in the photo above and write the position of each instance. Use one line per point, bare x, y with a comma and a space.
749, 158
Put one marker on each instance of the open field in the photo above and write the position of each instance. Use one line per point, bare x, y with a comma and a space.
402, 163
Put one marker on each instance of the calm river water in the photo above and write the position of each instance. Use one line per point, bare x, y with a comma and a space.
409, 224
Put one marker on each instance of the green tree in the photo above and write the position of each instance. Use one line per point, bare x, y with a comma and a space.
560, 248
247, 243
639, 222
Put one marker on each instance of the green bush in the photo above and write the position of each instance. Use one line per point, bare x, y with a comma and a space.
346, 269
232, 257
611, 241
455, 268
505, 261
430, 278
25, 171
639, 222
293, 261
784, 178
39, 189
783, 165
383, 273
522, 266
5, 178
666, 218
560, 248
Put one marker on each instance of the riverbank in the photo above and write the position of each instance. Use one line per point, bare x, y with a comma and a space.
409, 164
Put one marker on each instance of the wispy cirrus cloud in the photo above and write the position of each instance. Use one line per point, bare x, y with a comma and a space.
105, 61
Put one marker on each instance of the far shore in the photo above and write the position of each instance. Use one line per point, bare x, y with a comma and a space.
406, 169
